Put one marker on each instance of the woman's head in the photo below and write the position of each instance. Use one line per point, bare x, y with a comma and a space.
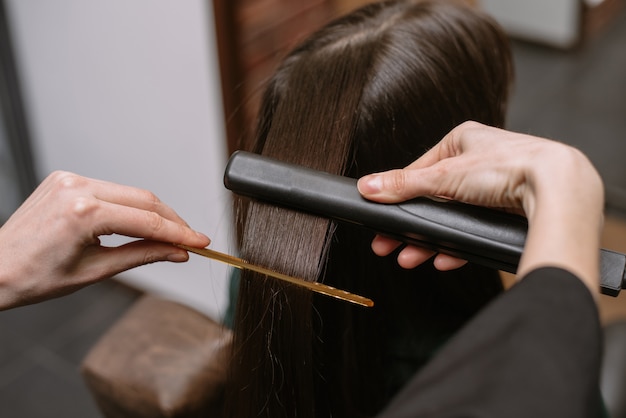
370, 91
409, 70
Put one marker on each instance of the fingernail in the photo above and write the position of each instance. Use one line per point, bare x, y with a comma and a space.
178, 257
202, 236
370, 184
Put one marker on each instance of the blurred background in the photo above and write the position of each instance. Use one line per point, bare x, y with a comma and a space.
155, 94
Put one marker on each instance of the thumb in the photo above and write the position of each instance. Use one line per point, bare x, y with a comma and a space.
391, 186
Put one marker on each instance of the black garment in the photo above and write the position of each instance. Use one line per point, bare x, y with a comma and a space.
533, 352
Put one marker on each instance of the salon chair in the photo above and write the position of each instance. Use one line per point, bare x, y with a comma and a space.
161, 359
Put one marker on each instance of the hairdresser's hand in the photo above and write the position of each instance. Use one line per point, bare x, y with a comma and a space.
50, 246
553, 184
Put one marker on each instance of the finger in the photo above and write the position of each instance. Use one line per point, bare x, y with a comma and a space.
446, 262
72, 185
384, 246
411, 257
390, 186
138, 223
103, 262
400, 185
425, 175
421, 178
134, 197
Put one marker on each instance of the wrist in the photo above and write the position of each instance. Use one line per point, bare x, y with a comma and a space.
564, 203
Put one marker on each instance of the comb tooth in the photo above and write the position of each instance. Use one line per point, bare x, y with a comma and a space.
314, 286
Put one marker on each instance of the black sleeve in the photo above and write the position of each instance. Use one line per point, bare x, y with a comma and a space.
533, 352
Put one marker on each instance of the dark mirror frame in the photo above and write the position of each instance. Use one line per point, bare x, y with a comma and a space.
230, 67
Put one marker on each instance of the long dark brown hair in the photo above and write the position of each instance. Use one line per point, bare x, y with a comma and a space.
368, 92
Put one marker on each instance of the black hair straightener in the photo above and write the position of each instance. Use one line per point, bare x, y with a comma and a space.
483, 236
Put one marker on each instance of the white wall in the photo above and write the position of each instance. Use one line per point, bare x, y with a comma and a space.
553, 22
128, 91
